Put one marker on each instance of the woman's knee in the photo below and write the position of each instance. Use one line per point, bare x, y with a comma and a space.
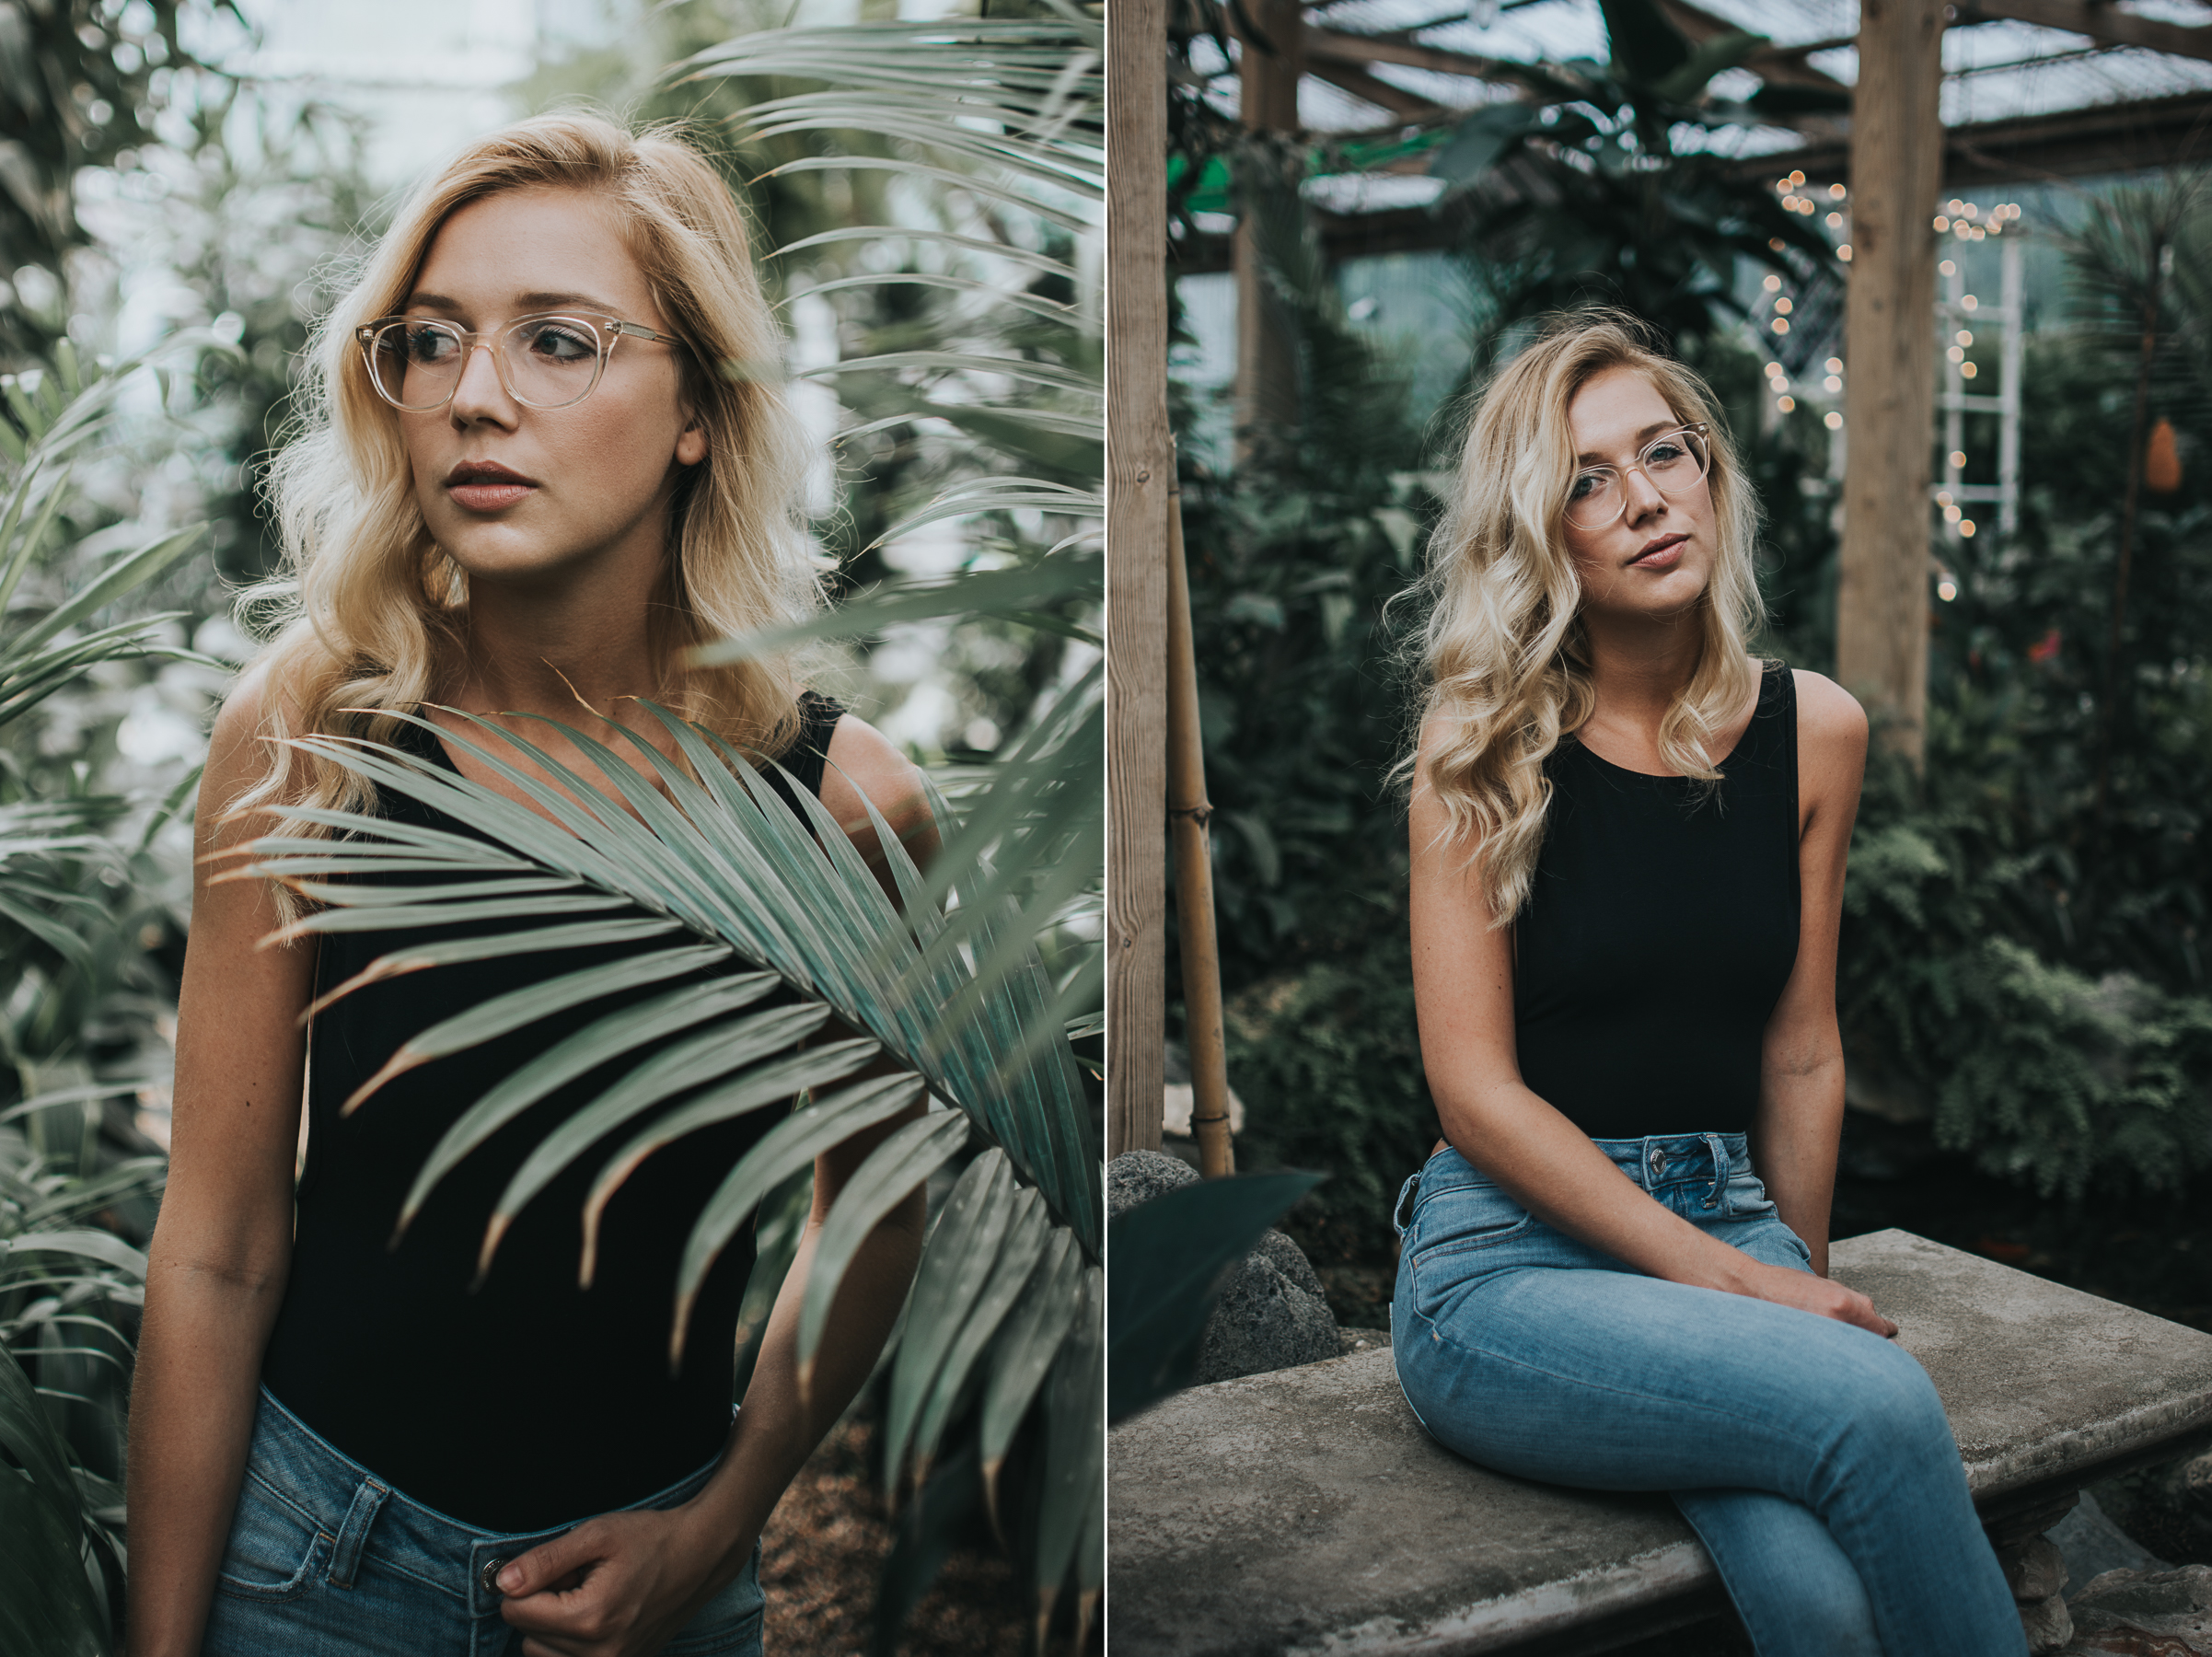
1888, 1404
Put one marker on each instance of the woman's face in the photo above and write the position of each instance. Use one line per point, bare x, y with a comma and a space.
527, 496
1656, 558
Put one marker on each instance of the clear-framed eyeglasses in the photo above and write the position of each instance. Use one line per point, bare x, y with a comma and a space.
1675, 462
547, 360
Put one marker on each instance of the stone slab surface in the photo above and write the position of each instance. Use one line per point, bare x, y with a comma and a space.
1305, 1511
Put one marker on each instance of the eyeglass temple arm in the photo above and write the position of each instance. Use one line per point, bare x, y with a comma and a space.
641, 332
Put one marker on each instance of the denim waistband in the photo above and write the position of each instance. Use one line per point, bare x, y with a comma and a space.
1655, 1162
350, 1499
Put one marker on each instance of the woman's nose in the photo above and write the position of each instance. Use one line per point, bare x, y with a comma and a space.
1641, 494
481, 394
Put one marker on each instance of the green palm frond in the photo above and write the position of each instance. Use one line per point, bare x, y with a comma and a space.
717, 869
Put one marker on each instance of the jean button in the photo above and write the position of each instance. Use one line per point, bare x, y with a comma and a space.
1659, 1163
489, 1575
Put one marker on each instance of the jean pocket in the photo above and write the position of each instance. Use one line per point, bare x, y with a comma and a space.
1462, 1216
275, 1550
729, 1624
1747, 1198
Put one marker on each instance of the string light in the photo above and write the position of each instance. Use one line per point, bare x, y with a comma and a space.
1772, 283
1785, 403
1966, 527
1947, 268
1835, 193
1782, 307
1844, 252
1958, 458
1833, 421
1780, 325
1834, 365
1947, 589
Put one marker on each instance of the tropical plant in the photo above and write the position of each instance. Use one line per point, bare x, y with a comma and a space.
75, 1184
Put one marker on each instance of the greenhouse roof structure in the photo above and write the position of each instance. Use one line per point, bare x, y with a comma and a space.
2128, 86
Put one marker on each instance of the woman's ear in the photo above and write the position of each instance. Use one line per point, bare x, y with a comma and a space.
691, 441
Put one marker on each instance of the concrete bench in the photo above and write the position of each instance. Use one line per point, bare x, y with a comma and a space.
1305, 1511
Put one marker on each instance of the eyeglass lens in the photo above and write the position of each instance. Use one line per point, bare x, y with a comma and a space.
1673, 463
546, 362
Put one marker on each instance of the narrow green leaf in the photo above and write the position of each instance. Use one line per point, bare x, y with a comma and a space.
1016, 1261
894, 1169
1074, 1441
792, 1144
595, 1044
1027, 1343
956, 1263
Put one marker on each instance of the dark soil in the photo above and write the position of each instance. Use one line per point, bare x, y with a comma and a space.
824, 1549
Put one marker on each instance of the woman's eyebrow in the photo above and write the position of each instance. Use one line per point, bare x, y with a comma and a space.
525, 302
1642, 438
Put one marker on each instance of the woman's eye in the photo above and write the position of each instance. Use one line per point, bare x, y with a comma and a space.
560, 342
430, 346
1585, 485
1664, 454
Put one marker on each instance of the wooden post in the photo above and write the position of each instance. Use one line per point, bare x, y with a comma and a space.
1140, 471
1188, 810
1267, 77
1889, 408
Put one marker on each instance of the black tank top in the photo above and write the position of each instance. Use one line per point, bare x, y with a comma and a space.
1660, 930
530, 1402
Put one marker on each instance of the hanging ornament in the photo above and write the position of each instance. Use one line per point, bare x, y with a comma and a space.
2162, 464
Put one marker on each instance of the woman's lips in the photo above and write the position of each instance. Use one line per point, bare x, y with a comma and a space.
1665, 555
487, 496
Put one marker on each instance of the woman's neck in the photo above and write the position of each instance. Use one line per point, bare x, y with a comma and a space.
1639, 665
544, 646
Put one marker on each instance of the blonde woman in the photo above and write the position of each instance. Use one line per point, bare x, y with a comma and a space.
546, 455
1628, 842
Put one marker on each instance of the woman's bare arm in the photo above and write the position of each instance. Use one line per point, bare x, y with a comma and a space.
1800, 1064
647, 1574
217, 1267
1462, 983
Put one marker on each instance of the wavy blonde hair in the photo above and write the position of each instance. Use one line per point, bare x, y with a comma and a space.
369, 611
1505, 654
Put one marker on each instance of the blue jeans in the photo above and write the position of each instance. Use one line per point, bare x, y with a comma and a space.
1813, 1458
326, 1560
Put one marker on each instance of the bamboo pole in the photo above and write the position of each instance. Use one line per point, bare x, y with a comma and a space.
1272, 34
1889, 411
1190, 812
1139, 470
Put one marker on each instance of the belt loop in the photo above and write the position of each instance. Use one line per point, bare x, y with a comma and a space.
345, 1557
1723, 1164
1406, 1193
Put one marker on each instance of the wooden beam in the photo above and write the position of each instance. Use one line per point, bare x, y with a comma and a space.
1889, 407
1328, 44
2069, 144
2108, 24
1140, 469
1268, 69
1372, 88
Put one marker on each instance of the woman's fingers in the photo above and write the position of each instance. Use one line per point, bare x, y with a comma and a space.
550, 1564
1826, 1298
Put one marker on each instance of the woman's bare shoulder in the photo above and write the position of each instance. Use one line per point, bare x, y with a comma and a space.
866, 769
1830, 722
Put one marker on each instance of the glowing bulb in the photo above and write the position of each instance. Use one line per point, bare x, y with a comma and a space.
1835, 193
1967, 370
1834, 365
1947, 268
1797, 177
1835, 221
1773, 368
1966, 527
1844, 252
1782, 307
1951, 515
1958, 458
1833, 421
1946, 589
1832, 383
1780, 325
1942, 223
1785, 403
1968, 302
1772, 283
1956, 354
1963, 337
1943, 497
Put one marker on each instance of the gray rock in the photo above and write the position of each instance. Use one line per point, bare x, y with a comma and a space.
2093, 1545
1272, 1316
2118, 1609
1361, 1340
1137, 1176
2036, 1571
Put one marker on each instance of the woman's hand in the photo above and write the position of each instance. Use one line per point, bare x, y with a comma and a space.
620, 1585
1820, 1295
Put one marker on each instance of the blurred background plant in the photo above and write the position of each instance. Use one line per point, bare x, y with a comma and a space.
929, 233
